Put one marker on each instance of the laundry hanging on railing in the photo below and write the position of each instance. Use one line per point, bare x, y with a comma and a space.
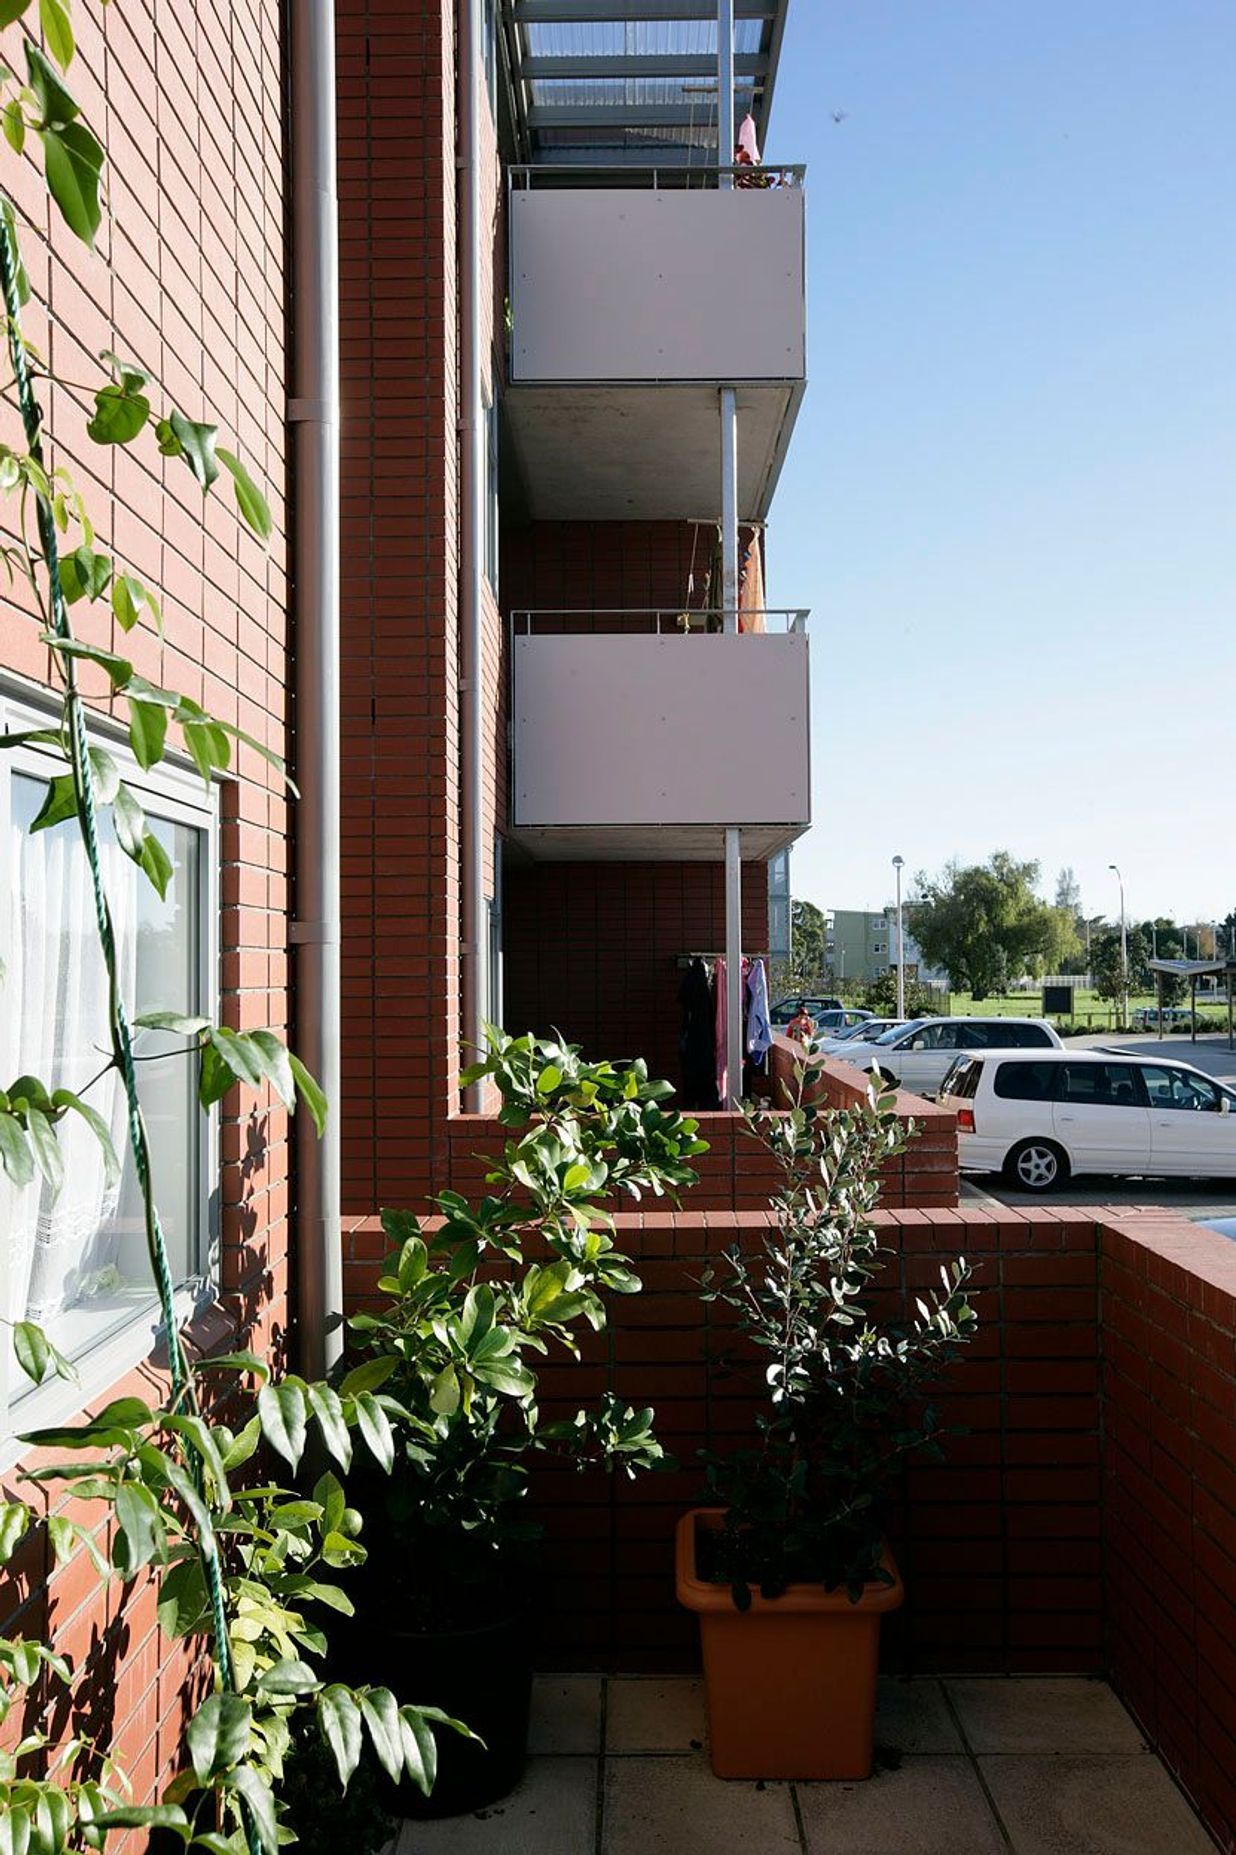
751, 611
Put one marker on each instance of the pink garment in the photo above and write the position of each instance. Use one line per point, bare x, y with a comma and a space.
746, 138
723, 1020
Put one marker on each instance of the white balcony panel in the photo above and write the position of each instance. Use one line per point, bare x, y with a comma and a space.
680, 735
617, 284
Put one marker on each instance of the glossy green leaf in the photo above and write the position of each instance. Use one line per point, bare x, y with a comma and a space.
420, 1749
192, 440
118, 416
57, 30
172, 1021
339, 1719
14, 1521
183, 1603
33, 1350
130, 599
375, 1427
249, 498
15, 1155
380, 1712
56, 103
59, 804
260, 1802
273, 1059
141, 1526
130, 821
219, 1735
282, 1412
73, 162
14, 125
163, 1816
65, 1098
310, 1093
326, 1406
147, 731
85, 574
156, 863
288, 1677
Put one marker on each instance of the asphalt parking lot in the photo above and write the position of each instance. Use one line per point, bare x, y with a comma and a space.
1196, 1199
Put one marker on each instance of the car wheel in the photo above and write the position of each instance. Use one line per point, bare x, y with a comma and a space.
1036, 1166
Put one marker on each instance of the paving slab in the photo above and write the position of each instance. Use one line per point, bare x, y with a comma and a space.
1025, 1713
913, 1716
928, 1806
674, 1806
566, 1714
1092, 1806
652, 1714
553, 1812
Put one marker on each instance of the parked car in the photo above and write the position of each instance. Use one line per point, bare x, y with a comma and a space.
919, 1055
1175, 1018
786, 1008
1039, 1119
867, 1028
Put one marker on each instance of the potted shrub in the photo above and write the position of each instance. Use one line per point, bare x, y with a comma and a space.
472, 1303
788, 1566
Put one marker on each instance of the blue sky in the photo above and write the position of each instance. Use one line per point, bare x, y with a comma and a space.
1010, 496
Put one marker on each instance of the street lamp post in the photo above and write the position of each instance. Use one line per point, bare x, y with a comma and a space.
898, 863
1124, 953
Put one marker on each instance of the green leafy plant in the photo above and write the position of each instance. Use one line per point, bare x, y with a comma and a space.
472, 1303
847, 1394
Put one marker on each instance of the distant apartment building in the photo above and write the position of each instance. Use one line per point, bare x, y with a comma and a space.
861, 944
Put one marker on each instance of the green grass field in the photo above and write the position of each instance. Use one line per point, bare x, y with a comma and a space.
1089, 1010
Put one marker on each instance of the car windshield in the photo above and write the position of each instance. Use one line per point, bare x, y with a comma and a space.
898, 1030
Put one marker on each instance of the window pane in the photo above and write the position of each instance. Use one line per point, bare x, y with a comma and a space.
77, 1261
1175, 1088
1108, 1085
1026, 1081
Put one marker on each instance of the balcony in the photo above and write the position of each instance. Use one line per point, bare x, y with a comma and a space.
634, 296
643, 735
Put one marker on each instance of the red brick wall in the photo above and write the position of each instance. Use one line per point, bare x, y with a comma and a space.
592, 949
1000, 1543
188, 276
399, 531
1169, 1338
586, 566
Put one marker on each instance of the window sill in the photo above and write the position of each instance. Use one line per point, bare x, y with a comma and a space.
206, 1325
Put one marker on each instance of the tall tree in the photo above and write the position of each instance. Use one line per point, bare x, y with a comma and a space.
985, 924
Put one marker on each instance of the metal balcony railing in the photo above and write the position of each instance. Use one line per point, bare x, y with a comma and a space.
661, 621
523, 179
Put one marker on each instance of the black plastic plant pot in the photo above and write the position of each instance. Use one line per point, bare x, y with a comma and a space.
481, 1675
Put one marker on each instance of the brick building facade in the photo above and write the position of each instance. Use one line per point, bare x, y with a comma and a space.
1089, 1502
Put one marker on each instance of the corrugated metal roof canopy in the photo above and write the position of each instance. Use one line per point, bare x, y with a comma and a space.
617, 81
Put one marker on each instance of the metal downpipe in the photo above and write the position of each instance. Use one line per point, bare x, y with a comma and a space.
471, 438
313, 417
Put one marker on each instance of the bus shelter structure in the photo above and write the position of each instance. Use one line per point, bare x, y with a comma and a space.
1193, 970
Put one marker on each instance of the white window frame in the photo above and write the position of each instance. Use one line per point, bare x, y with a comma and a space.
174, 790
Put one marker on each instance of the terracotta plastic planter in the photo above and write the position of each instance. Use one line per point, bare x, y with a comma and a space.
791, 1682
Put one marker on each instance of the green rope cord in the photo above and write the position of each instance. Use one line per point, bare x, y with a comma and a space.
121, 1033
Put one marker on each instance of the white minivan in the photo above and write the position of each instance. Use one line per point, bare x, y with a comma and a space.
919, 1055
1040, 1118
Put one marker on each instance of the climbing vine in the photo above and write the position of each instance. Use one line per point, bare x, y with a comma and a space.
244, 1564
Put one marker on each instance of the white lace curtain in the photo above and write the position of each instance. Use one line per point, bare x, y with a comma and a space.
53, 1025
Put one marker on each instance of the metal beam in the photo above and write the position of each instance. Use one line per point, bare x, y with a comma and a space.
750, 64
617, 116
593, 12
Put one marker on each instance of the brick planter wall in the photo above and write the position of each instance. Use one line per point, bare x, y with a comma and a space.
1169, 1405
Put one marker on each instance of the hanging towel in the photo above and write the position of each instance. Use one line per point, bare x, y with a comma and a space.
747, 141
722, 1032
759, 1030
697, 1039
751, 613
